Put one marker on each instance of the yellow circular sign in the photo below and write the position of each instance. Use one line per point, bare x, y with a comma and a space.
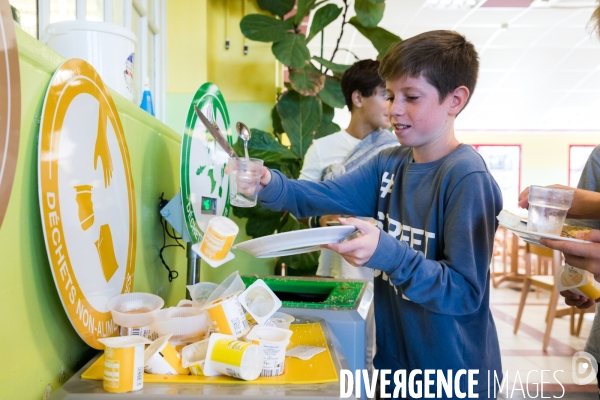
86, 198
10, 105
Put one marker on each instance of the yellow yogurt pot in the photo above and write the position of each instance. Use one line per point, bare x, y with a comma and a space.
228, 356
228, 316
161, 358
577, 281
123, 363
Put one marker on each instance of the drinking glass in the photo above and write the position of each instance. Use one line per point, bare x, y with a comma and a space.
548, 209
244, 181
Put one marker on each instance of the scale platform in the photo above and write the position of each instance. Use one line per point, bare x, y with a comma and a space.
343, 303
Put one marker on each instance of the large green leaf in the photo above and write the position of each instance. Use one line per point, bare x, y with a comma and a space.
323, 17
332, 93
300, 117
303, 262
292, 50
369, 13
244, 212
336, 68
307, 81
264, 146
277, 128
277, 7
327, 126
263, 28
381, 39
263, 222
303, 9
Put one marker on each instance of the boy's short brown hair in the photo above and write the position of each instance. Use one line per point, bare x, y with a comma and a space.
361, 76
445, 58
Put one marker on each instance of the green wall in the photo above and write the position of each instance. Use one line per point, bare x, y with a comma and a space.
254, 114
38, 344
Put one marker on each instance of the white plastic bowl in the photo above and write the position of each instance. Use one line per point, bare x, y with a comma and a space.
181, 322
134, 310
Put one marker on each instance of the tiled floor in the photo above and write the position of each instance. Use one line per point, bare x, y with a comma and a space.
522, 354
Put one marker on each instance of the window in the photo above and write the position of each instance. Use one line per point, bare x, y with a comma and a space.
504, 163
146, 18
578, 156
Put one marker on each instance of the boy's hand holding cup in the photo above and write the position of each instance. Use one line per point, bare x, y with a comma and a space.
246, 176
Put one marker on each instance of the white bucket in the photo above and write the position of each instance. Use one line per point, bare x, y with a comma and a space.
109, 48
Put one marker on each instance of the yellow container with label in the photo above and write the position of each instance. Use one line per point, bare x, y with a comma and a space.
123, 363
228, 356
161, 358
218, 239
577, 281
228, 316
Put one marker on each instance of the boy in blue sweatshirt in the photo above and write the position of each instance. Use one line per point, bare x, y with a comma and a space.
436, 204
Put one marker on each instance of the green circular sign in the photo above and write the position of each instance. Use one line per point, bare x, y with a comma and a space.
204, 185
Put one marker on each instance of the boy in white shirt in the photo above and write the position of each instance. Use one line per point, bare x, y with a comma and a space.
341, 152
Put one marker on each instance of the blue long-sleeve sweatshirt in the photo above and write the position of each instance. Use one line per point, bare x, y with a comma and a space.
432, 267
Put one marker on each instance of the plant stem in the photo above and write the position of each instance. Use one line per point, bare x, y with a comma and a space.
344, 22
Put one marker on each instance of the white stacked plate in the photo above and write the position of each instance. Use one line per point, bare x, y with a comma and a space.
534, 237
295, 242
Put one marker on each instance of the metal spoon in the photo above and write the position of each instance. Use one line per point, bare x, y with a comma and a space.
245, 135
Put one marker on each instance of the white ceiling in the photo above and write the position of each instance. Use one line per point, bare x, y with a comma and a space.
540, 65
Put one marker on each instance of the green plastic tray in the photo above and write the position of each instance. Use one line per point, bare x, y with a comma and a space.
315, 294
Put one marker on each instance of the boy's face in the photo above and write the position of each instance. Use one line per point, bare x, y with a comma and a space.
374, 109
416, 115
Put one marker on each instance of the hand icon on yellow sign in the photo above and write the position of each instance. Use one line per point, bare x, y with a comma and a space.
102, 150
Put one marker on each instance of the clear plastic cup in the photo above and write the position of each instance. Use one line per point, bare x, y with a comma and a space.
201, 291
244, 180
548, 209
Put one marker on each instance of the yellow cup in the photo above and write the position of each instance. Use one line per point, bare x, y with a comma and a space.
218, 239
123, 363
228, 316
161, 358
228, 356
577, 281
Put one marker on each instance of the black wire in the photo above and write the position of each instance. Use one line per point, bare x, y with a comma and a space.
165, 231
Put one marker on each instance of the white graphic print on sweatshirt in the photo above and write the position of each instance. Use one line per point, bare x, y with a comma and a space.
416, 238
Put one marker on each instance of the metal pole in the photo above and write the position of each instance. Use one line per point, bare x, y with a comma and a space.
193, 267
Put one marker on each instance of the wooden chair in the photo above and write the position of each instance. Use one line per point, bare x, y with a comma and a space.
544, 282
577, 330
509, 247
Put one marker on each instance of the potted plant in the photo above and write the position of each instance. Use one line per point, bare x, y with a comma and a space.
305, 108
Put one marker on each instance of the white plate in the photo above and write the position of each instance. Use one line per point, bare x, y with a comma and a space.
534, 237
295, 242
